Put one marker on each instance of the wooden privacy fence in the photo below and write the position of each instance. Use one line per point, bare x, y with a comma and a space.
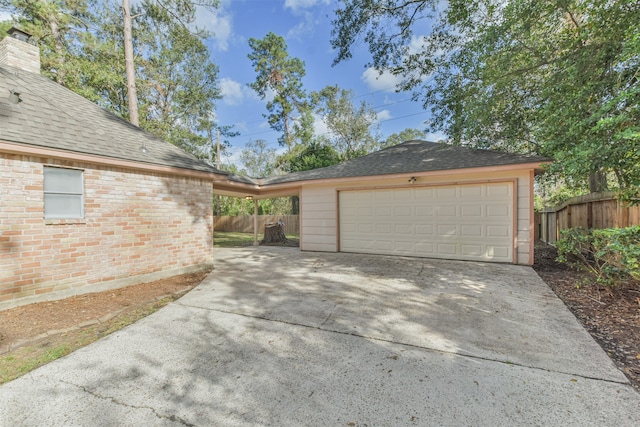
244, 223
596, 210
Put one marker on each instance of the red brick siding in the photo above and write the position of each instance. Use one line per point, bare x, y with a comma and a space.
135, 223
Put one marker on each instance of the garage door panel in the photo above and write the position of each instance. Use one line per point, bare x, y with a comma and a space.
472, 222
475, 230
445, 230
498, 210
384, 211
385, 228
424, 229
471, 191
424, 249
364, 229
384, 245
498, 231
446, 210
446, 249
424, 210
403, 196
501, 192
404, 228
402, 211
446, 193
499, 252
471, 250
471, 211
384, 196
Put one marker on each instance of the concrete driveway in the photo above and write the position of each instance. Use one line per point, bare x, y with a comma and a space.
279, 337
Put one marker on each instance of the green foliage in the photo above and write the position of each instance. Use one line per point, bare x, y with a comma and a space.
558, 78
408, 134
608, 254
306, 157
4, 27
81, 45
552, 192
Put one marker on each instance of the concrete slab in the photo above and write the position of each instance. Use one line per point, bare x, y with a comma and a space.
337, 339
493, 311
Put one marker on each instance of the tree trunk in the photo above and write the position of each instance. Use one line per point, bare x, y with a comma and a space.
59, 46
273, 233
129, 65
597, 181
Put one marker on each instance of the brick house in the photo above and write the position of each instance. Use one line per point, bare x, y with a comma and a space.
89, 202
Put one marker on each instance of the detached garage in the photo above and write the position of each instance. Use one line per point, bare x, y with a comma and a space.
419, 199
465, 221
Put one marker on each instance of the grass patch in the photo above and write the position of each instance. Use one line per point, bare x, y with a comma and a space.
229, 239
25, 359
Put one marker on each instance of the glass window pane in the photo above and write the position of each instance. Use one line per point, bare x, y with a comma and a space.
62, 206
60, 180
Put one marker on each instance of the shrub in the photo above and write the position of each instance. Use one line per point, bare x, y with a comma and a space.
607, 254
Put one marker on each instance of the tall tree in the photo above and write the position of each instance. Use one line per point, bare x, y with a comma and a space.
56, 26
557, 78
177, 84
350, 126
129, 66
280, 75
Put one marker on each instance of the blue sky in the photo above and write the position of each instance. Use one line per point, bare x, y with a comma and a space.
306, 27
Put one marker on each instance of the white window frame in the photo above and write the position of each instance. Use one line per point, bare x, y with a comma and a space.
51, 191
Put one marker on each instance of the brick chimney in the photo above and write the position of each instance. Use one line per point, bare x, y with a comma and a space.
16, 51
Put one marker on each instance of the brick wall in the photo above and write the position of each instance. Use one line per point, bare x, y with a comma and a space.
138, 227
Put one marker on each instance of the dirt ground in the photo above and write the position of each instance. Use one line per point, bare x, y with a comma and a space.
29, 324
612, 316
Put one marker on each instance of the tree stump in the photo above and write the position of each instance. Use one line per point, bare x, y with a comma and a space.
274, 233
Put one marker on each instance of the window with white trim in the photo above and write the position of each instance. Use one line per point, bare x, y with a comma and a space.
63, 193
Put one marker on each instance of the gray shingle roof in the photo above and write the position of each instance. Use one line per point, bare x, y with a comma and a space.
52, 116
410, 157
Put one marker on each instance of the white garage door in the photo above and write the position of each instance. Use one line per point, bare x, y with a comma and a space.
470, 222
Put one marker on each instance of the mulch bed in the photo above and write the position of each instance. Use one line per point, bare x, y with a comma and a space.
610, 314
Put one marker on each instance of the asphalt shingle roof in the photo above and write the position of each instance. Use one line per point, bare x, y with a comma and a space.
52, 116
410, 157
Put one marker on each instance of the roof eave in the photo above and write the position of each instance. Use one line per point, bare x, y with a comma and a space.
31, 150
536, 166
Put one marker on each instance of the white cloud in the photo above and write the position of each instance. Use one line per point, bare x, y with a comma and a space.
218, 22
417, 44
297, 32
319, 125
383, 82
231, 156
435, 136
297, 5
383, 115
310, 18
5, 16
235, 93
232, 91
